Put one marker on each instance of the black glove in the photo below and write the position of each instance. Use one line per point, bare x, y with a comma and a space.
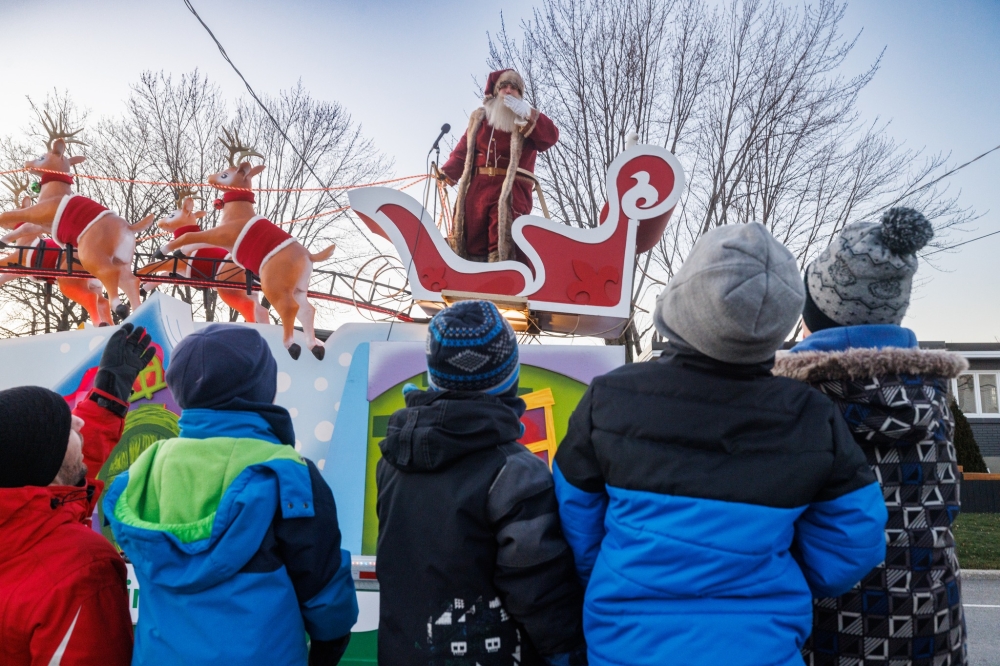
328, 653
126, 354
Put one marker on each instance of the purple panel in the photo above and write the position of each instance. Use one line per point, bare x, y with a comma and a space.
393, 362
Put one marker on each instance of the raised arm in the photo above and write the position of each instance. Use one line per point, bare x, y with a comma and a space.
125, 355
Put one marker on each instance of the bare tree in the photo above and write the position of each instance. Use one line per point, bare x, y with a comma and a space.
755, 100
169, 132
31, 306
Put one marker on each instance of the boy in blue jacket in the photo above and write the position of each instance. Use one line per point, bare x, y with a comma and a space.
233, 535
707, 501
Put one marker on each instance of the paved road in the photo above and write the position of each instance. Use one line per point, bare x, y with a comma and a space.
981, 598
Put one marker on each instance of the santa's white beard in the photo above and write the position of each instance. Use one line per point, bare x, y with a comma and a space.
499, 116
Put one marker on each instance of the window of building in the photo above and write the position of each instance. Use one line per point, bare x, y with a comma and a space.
988, 394
976, 393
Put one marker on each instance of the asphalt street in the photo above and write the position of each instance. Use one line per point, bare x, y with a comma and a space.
981, 598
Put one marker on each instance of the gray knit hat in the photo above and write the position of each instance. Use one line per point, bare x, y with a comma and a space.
865, 275
737, 296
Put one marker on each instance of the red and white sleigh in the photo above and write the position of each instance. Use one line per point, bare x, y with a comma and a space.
578, 280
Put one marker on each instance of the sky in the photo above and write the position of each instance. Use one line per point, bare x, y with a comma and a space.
404, 68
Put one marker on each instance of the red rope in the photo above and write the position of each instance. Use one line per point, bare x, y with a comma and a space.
415, 178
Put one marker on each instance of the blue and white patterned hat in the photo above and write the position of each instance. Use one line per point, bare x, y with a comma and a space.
471, 347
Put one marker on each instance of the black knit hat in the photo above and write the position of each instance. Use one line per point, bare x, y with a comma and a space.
34, 432
471, 347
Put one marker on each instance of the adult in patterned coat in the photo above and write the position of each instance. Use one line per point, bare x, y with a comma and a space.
505, 134
63, 593
894, 399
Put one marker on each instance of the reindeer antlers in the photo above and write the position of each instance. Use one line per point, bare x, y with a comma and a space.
183, 193
237, 151
17, 186
58, 131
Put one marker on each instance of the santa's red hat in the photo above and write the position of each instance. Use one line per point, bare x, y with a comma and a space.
502, 76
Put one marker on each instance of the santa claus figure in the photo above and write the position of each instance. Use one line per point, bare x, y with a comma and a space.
505, 135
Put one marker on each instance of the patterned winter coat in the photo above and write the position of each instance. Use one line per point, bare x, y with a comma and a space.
893, 396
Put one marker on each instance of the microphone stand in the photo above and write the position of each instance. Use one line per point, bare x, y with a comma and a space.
436, 149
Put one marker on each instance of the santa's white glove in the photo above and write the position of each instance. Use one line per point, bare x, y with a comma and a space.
518, 106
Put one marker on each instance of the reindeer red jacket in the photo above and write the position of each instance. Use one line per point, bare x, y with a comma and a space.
63, 594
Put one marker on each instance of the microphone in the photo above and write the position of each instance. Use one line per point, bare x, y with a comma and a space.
444, 130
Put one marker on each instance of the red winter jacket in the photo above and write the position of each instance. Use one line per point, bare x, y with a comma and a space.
63, 595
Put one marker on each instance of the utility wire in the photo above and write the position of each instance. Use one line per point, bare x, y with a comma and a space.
941, 177
962, 243
272, 118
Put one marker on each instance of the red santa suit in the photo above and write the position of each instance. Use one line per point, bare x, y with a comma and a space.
490, 195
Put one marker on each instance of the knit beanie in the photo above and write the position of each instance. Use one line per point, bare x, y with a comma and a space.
34, 432
736, 297
471, 347
220, 362
866, 274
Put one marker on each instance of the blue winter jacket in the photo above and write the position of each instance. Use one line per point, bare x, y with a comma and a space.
706, 503
236, 547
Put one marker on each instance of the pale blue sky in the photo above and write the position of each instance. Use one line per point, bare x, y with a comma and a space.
403, 68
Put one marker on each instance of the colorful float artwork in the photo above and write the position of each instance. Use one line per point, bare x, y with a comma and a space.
568, 279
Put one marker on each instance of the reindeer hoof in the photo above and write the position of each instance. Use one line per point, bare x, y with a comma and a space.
178, 254
3, 245
122, 311
158, 255
319, 352
143, 292
295, 351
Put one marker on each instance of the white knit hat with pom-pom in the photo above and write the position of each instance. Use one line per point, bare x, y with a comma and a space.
866, 274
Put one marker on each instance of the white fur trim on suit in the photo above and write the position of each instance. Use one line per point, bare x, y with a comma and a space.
58, 216
277, 248
243, 233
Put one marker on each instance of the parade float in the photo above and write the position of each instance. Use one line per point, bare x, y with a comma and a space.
571, 280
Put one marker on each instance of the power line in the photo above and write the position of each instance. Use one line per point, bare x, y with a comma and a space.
942, 176
271, 117
994, 233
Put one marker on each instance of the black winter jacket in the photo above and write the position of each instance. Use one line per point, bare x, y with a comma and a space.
472, 564
706, 503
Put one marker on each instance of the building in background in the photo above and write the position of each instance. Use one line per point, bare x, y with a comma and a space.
976, 393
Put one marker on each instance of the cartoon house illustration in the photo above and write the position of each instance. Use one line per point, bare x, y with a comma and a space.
539, 425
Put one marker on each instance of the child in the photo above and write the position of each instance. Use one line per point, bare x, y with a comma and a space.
233, 535
706, 501
894, 398
472, 564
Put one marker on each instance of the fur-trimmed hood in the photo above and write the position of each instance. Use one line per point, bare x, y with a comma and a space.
852, 364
